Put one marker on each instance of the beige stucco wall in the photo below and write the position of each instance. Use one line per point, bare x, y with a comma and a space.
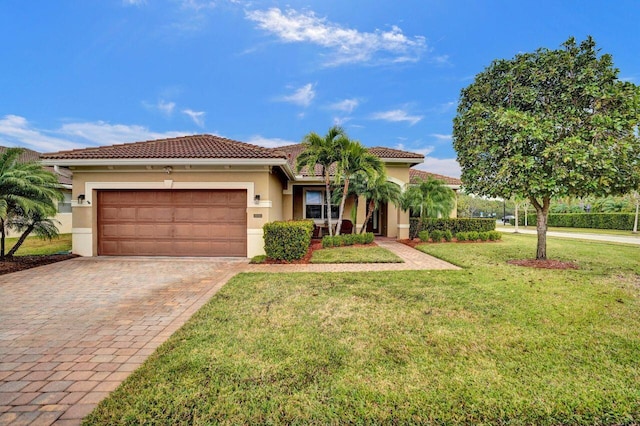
255, 180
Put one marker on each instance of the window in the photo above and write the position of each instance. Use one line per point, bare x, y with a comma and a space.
314, 205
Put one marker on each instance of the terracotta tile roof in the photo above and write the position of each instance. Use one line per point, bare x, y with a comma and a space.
292, 152
416, 175
196, 146
383, 152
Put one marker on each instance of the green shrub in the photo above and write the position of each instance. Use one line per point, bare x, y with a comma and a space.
454, 225
495, 235
472, 236
448, 236
424, 236
347, 240
620, 221
368, 237
483, 236
288, 240
461, 236
436, 235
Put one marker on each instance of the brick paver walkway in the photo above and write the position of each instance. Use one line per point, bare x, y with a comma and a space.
72, 331
413, 260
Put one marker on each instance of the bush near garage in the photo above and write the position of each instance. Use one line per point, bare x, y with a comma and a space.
288, 240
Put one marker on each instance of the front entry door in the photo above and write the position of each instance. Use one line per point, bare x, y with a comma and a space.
377, 222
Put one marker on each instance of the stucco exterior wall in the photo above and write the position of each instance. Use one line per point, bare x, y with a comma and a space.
255, 180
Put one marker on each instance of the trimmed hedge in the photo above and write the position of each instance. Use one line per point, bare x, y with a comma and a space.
454, 225
620, 221
329, 241
424, 236
288, 240
482, 236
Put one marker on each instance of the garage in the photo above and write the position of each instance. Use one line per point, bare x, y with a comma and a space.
172, 223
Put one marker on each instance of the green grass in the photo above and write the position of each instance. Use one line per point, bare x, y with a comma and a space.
488, 344
36, 246
355, 255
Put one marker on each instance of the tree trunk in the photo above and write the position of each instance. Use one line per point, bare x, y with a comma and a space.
542, 211
2, 238
18, 243
345, 191
516, 224
369, 214
635, 222
327, 184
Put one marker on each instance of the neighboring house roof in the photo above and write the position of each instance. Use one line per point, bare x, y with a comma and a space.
387, 154
31, 156
390, 153
184, 147
416, 175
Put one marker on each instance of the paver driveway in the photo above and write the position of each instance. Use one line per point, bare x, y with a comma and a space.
70, 332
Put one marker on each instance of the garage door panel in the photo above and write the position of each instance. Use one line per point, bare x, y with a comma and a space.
172, 222
155, 214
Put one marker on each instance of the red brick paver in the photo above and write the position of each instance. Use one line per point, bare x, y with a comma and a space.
72, 331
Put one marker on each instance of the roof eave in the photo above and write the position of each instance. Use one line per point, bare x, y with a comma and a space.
166, 161
412, 161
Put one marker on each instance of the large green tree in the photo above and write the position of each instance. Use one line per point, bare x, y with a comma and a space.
547, 124
26, 189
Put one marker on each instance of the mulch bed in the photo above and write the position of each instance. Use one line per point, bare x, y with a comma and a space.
20, 263
315, 245
543, 264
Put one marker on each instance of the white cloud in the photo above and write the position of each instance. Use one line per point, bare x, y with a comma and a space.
196, 116
166, 107
424, 151
17, 131
269, 142
397, 115
197, 5
347, 45
442, 166
346, 105
302, 96
163, 106
441, 137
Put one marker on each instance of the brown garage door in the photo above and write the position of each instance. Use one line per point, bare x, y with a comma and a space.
172, 223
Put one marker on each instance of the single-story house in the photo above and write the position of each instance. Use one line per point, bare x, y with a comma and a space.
63, 217
202, 195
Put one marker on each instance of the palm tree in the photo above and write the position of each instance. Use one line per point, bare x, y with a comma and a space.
323, 152
430, 197
36, 221
379, 191
355, 160
24, 187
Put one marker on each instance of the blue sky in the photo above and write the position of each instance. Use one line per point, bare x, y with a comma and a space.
87, 73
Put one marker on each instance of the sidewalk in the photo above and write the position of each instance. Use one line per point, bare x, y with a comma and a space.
575, 235
413, 260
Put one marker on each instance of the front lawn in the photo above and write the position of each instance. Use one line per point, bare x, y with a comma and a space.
355, 255
491, 343
34, 246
